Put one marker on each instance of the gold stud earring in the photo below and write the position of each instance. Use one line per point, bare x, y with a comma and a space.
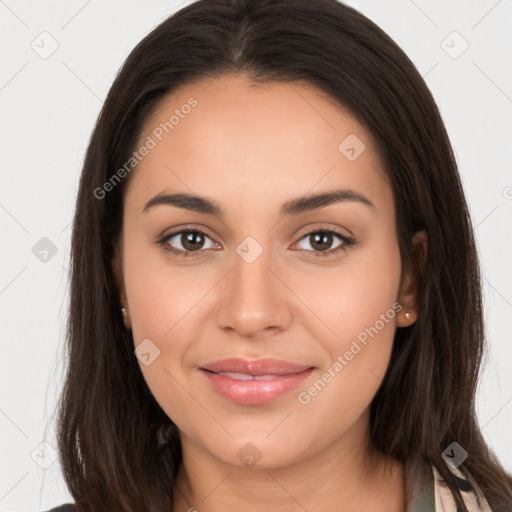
125, 318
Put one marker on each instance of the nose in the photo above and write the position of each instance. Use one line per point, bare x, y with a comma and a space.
254, 300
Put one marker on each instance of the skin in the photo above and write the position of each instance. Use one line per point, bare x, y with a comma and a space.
251, 148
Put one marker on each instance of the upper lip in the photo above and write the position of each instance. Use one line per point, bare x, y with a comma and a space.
255, 367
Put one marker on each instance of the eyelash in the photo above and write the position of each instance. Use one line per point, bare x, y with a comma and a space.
347, 242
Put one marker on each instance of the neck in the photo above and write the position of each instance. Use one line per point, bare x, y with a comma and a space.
342, 476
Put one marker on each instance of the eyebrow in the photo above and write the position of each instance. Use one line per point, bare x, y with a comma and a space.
292, 207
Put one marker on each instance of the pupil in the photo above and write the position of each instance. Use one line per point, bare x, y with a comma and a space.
189, 241
323, 239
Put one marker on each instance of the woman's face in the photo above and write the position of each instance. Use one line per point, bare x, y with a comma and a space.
261, 283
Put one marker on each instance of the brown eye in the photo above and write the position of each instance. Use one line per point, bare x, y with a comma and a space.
191, 240
184, 242
321, 241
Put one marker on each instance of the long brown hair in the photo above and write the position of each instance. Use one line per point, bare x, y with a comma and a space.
118, 449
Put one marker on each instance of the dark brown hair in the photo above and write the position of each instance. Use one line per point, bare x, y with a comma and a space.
118, 449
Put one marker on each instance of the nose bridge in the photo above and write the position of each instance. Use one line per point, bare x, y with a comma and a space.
253, 298
251, 277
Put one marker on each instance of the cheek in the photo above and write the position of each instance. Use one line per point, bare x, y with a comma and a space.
352, 297
359, 305
358, 358
165, 308
162, 295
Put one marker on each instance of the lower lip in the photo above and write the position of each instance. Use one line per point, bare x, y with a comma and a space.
254, 392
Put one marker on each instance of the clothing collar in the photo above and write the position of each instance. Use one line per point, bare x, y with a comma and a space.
423, 499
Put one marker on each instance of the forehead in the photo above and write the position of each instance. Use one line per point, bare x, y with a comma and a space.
230, 138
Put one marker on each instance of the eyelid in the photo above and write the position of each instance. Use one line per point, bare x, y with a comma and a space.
326, 227
186, 228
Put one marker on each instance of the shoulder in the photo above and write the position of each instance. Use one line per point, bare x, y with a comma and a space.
469, 490
68, 507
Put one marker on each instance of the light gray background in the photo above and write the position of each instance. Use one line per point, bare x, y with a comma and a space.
48, 109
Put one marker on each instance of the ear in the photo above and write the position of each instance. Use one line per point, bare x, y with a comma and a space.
117, 271
411, 278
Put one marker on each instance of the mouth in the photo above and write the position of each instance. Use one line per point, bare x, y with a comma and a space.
245, 376
255, 367
254, 382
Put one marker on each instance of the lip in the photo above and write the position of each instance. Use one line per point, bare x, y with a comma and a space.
283, 376
255, 367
